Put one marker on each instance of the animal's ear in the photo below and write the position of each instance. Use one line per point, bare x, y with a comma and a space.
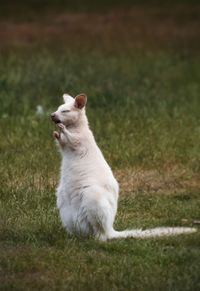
67, 98
80, 101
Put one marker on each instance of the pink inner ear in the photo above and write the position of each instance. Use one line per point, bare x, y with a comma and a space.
80, 101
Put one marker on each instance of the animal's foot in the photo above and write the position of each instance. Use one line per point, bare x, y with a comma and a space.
61, 126
56, 135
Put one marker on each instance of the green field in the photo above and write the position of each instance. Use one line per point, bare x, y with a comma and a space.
143, 107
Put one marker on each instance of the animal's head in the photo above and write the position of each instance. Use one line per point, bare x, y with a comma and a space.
71, 111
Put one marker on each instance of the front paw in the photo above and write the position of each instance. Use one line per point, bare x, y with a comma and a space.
61, 126
56, 135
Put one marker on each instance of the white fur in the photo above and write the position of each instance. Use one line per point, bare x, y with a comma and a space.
87, 194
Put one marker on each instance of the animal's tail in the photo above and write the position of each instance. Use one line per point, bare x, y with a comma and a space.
154, 232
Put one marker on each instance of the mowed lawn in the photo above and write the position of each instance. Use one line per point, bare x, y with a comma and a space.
143, 107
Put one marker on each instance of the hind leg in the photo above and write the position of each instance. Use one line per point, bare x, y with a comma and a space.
101, 209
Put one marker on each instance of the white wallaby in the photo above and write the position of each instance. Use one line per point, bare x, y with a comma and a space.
87, 194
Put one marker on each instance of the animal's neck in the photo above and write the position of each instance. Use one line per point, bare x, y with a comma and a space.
80, 125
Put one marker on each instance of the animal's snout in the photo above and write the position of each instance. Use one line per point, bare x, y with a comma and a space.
55, 118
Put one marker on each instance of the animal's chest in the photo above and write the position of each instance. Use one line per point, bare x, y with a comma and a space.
69, 195
72, 183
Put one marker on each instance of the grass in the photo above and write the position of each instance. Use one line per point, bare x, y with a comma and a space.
142, 116
143, 107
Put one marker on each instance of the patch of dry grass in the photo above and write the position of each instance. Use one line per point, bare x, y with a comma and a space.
172, 179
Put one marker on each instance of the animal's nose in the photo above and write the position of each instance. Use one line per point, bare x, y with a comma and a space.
55, 118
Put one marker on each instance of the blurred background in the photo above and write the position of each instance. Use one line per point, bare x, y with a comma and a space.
109, 25
101, 25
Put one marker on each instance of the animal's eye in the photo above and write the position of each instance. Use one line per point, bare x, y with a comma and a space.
64, 111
